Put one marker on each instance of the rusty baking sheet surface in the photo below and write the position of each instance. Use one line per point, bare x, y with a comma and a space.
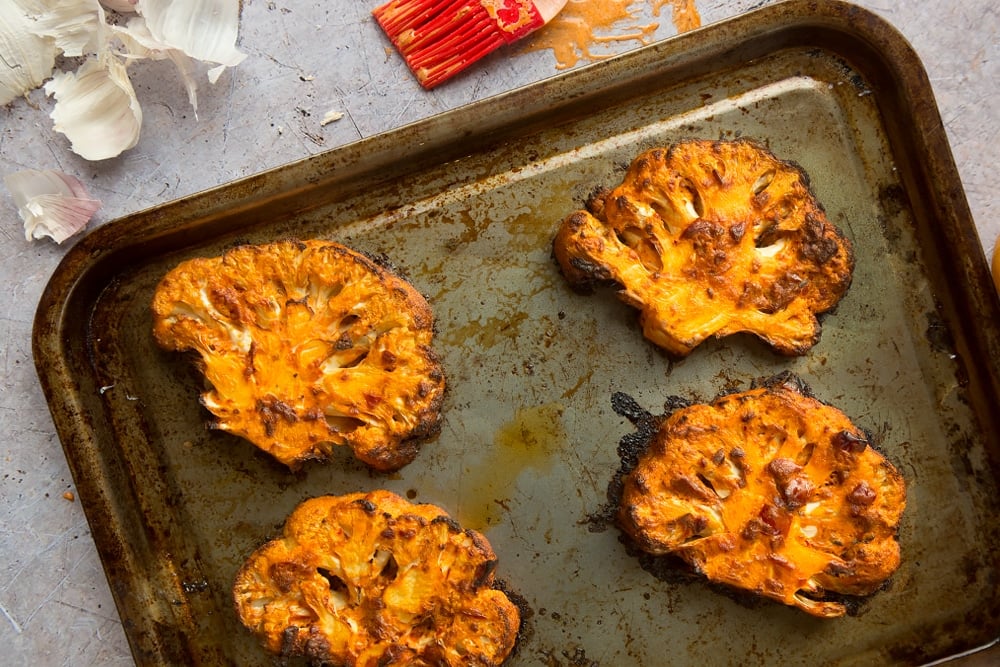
466, 204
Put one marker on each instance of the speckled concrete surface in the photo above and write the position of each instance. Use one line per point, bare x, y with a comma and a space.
306, 57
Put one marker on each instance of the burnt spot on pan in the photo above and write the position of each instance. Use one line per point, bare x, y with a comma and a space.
568, 657
667, 568
630, 448
937, 334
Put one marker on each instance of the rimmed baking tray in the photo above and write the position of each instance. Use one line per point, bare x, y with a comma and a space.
466, 203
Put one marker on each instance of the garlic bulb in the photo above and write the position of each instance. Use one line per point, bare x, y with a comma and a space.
51, 203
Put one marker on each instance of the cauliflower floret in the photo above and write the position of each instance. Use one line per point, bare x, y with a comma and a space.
307, 346
371, 579
711, 238
769, 491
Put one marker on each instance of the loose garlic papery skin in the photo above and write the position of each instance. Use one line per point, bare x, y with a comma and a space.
140, 44
121, 6
51, 203
77, 27
99, 98
96, 108
28, 58
203, 29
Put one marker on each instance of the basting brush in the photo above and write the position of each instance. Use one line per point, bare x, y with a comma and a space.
440, 38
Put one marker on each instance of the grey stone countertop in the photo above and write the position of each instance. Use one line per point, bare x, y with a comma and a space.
305, 58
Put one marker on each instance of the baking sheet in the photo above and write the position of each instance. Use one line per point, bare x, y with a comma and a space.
466, 204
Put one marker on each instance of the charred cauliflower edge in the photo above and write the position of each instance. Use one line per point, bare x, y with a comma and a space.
711, 238
370, 579
307, 345
771, 492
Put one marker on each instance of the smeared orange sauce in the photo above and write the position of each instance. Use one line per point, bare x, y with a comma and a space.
530, 441
684, 14
584, 24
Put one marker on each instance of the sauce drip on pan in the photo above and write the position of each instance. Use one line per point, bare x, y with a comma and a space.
532, 441
584, 24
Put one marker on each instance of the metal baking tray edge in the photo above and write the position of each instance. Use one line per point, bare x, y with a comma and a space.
63, 340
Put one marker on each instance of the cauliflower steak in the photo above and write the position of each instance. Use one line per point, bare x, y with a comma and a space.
307, 345
711, 238
769, 491
370, 579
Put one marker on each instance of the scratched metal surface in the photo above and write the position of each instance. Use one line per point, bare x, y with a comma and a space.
54, 599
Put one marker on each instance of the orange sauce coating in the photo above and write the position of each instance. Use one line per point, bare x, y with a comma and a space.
586, 23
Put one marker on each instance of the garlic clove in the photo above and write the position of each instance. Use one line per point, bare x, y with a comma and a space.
96, 108
27, 58
51, 203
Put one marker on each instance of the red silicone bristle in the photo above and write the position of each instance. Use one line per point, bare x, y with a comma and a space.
440, 38
400, 15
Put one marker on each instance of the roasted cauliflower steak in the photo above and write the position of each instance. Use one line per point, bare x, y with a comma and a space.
711, 238
370, 579
306, 346
771, 492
